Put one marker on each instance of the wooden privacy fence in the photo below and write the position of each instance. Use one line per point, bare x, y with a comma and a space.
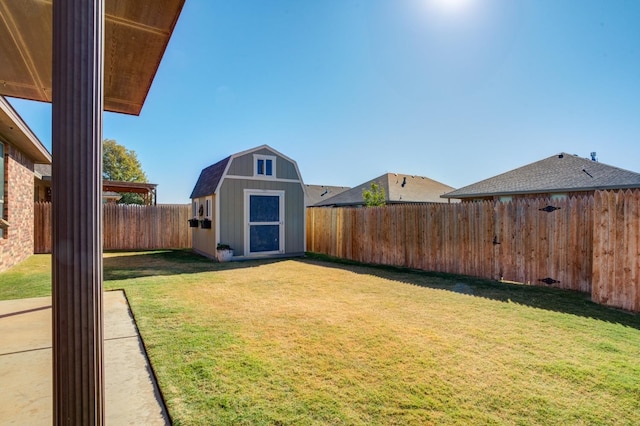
616, 250
588, 244
127, 227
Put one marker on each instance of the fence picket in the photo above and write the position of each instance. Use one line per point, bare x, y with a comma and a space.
126, 227
591, 244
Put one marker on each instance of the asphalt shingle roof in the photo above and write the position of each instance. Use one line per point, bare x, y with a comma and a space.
318, 193
43, 170
398, 188
559, 173
209, 179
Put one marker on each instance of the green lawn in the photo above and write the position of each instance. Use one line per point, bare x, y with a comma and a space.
310, 341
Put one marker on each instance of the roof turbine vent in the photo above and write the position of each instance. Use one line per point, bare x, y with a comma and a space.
593, 156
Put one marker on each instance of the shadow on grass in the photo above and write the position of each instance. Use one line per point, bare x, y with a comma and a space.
551, 299
129, 265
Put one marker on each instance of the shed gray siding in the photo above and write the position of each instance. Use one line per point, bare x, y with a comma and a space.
285, 169
243, 165
232, 224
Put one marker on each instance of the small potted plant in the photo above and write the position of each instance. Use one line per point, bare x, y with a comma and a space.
193, 223
224, 252
205, 224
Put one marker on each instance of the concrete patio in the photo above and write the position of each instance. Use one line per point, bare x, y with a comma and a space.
132, 396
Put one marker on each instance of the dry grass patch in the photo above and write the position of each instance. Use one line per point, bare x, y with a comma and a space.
313, 342
307, 342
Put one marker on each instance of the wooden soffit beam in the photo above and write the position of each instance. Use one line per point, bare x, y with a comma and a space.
136, 35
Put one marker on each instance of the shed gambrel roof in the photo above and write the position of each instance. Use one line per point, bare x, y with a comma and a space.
398, 188
211, 176
559, 173
209, 179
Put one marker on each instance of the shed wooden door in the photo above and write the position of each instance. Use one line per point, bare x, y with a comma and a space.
264, 213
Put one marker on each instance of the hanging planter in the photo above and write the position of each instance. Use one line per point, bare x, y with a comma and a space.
193, 223
205, 224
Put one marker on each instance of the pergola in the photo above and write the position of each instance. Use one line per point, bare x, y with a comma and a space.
83, 56
146, 190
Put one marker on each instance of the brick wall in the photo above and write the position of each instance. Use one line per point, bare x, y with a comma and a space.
17, 243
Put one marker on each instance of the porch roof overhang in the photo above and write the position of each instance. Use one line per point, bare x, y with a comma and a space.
136, 36
15, 131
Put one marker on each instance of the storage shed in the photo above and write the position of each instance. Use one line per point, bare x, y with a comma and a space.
252, 201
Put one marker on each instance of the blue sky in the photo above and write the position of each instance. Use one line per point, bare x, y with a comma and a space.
456, 90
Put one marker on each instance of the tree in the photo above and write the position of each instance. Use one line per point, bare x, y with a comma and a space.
375, 196
122, 164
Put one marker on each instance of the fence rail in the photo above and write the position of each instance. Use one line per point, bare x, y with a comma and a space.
127, 227
589, 244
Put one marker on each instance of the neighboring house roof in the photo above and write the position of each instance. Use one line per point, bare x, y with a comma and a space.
110, 195
398, 188
559, 173
210, 178
15, 131
42, 171
318, 193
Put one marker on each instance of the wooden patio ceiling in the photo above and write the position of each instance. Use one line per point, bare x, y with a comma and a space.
136, 36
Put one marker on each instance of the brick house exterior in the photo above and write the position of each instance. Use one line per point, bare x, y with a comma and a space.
21, 149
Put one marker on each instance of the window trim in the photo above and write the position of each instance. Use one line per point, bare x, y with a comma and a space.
265, 158
204, 203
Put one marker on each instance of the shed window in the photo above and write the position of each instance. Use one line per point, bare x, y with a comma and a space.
264, 165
